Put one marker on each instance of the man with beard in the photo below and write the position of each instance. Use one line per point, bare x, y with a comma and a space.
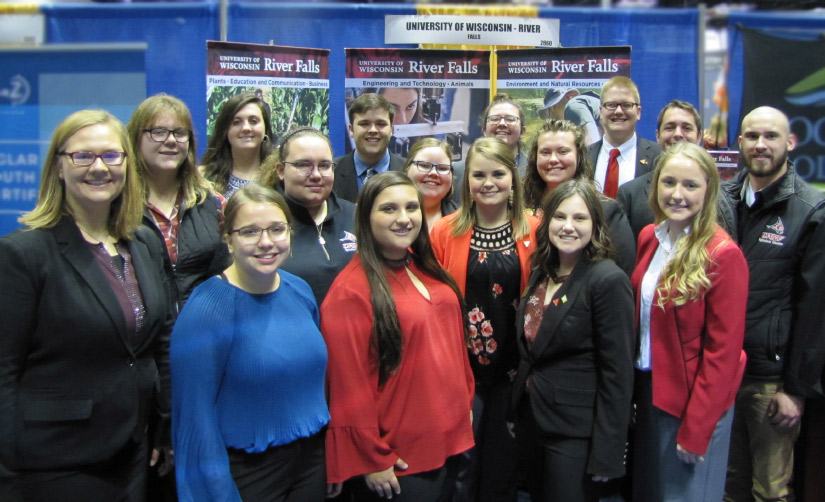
370, 125
620, 155
779, 225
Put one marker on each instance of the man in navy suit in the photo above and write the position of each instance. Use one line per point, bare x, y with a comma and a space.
678, 121
370, 117
619, 111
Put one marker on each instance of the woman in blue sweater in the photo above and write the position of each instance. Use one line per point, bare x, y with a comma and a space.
248, 367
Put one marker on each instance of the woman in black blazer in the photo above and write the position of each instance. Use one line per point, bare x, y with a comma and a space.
573, 389
85, 315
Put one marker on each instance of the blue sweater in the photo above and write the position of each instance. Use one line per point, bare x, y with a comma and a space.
248, 373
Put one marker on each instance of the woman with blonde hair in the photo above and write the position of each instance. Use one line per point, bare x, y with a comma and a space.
240, 143
86, 311
691, 285
181, 206
486, 247
429, 164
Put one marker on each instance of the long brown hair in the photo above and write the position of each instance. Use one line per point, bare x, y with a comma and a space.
386, 337
217, 161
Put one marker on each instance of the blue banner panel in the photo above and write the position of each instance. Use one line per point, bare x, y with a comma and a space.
39, 87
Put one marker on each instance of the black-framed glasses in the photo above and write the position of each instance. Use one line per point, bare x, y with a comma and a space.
161, 134
427, 167
510, 119
626, 106
83, 158
305, 167
251, 235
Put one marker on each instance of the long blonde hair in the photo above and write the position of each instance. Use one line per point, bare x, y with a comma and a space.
126, 210
684, 277
496, 150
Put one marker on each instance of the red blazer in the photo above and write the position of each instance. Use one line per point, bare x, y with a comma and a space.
453, 253
696, 349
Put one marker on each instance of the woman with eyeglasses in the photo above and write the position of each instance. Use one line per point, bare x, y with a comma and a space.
239, 144
429, 165
558, 154
86, 310
400, 385
486, 247
181, 206
323, 239
248, 366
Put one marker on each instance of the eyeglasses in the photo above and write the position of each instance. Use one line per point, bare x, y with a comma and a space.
427, 167
251, 235
626, 106
510, 119
83, 159
304, 167
161, 134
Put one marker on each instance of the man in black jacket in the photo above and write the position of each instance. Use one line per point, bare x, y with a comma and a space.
780, 223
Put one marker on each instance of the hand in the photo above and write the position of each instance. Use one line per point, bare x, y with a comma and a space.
785, 410
688, 457
384, 483
334, 489
511, 428
601, 479
168, 460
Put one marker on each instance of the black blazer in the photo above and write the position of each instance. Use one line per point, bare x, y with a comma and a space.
581, 363
73, 390
620, 233
646, 153
345, 185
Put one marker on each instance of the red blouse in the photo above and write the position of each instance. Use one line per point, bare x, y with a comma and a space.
422, 413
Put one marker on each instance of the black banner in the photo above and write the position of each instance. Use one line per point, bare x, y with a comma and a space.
790, 75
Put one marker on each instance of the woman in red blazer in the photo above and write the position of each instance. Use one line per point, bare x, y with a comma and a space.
486, 247
691, 286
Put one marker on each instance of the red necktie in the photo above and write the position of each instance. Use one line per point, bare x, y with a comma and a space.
611, 182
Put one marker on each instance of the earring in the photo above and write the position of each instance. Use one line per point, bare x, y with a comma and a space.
266, 138
510, 199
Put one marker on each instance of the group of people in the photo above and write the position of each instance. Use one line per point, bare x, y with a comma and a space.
280, 325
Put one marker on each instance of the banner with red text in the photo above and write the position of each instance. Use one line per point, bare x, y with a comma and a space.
293, 82
562, 83
437, 93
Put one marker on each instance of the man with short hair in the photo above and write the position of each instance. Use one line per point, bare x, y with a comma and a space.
780, 227
620, 155
581, 108
370, 117
678, 121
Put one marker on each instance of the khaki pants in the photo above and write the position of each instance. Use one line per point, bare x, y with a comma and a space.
760, 465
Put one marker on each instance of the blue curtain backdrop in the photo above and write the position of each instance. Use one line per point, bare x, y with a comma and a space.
176, 35
664, 43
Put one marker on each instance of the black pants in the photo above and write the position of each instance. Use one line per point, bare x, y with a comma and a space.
431, 486
556, 465
119, 479
293, 472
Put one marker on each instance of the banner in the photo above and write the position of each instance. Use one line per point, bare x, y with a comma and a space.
437, 93
292, 81
471, 30
562, 83
793, 82
39, 87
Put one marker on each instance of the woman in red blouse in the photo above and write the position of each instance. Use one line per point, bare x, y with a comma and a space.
400, 384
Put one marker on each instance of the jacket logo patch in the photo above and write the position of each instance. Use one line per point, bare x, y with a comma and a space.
775, 237
348, 242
